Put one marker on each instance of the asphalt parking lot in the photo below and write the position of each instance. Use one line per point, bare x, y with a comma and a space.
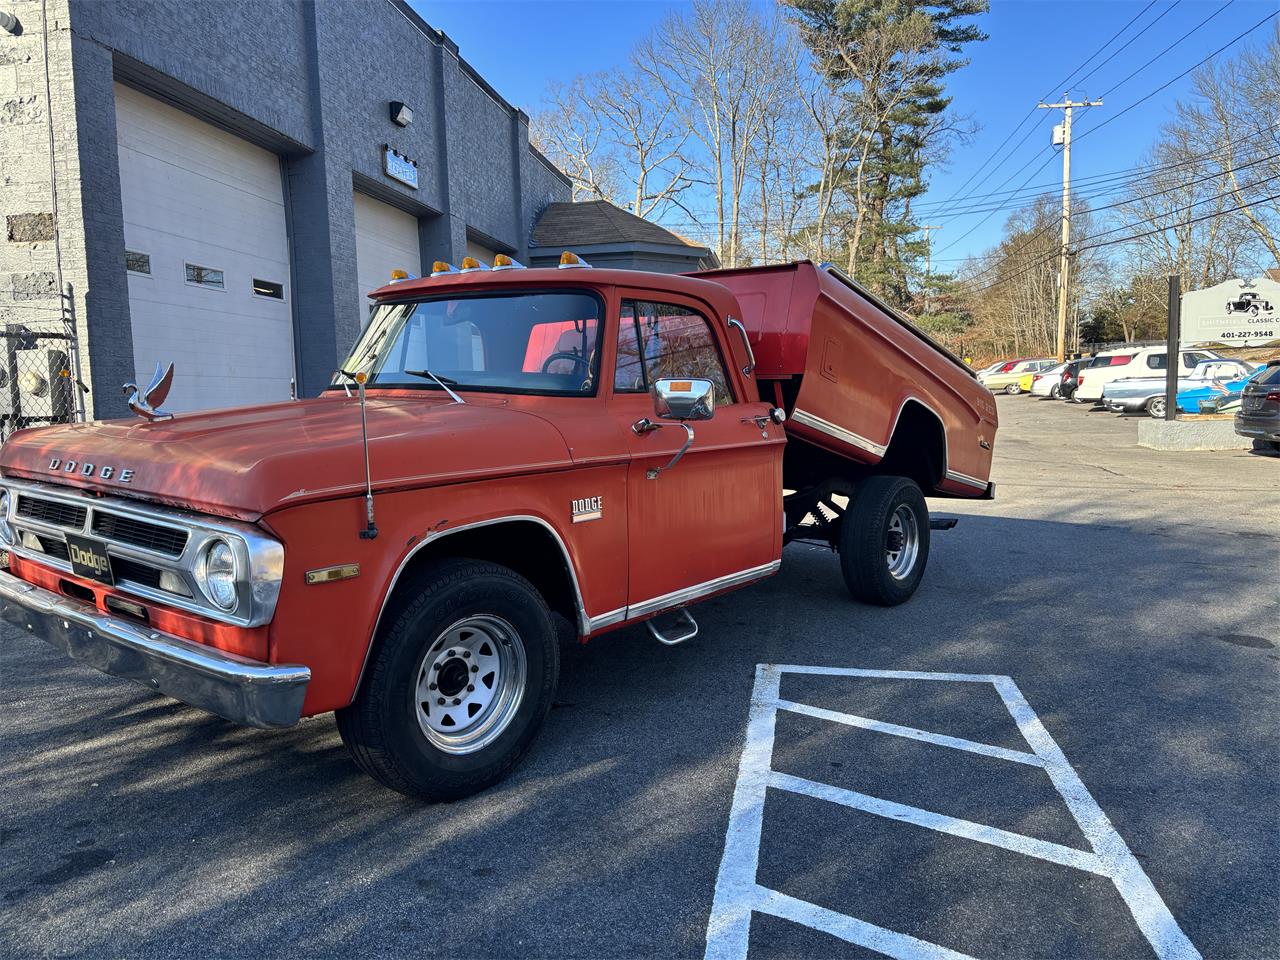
1132, 597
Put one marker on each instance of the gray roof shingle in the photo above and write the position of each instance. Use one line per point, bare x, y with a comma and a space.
598, 221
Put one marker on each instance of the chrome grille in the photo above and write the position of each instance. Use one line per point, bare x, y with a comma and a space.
126, 569
54, 512
54, 546
149, 536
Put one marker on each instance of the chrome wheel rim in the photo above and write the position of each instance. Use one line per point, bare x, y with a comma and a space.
470, 684
902, 542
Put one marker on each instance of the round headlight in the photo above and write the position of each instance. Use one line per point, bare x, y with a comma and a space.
216, 574
6, 531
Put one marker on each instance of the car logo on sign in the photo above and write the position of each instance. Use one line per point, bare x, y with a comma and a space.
590, 508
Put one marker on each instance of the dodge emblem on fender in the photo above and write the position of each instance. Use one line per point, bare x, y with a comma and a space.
591, 508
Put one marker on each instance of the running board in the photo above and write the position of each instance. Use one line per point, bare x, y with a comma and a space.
943, 523
690, 624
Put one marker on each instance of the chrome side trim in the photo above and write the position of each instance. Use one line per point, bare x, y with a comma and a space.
584, 624
958, 477
807, 419
689, 594
603, 620
242, 690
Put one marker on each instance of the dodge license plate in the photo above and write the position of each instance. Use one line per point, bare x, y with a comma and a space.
89, 559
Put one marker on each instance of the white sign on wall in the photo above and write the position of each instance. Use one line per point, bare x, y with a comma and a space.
1235, 312
399, 167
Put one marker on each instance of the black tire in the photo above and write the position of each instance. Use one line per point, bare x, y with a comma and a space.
1156, 407
1054, 392
1012, 389
382, 730
865, 541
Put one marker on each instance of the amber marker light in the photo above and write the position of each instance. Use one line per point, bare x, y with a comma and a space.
472, 265
570, 260
442, 267
504, 262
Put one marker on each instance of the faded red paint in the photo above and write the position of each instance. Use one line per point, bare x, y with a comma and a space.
298, 471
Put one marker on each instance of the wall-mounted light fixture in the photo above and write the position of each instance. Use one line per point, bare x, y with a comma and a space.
9, 23
401, 113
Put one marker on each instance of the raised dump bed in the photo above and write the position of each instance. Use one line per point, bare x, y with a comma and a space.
862, 382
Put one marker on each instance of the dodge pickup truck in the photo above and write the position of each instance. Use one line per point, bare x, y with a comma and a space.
508, 459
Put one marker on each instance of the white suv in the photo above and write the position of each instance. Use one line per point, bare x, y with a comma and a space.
1131, 362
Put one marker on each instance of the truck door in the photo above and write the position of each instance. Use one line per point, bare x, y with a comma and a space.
714, 519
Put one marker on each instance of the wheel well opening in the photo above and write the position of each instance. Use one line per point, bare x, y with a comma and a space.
524, 546
918, 447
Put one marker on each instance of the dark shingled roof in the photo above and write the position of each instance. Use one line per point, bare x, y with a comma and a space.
598, 222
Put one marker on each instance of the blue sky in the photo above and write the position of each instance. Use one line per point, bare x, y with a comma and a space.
520, 45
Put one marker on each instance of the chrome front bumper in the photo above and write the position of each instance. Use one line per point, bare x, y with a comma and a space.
242, 690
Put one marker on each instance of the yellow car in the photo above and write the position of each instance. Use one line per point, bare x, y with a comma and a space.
1015, 377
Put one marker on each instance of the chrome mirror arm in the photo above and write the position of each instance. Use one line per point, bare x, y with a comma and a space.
645, 425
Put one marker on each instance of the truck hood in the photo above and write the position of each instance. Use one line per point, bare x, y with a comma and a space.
246, 462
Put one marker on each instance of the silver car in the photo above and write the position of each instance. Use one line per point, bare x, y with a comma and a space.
1135, 394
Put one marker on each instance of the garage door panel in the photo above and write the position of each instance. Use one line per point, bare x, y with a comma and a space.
196, 194
386, 240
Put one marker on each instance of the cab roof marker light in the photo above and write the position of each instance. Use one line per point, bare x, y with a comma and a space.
472, 265
440, 268
504, 262
571, 261
398, 275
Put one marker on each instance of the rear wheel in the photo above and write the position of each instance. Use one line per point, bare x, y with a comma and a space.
461, 678
1012, 388
1157, 406
1054, 392
884, 541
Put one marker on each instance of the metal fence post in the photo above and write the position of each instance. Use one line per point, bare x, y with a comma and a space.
78, 388
1172, 339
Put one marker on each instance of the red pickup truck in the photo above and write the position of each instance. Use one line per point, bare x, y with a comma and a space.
508, 457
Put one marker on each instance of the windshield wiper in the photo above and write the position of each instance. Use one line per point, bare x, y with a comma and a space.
442, 381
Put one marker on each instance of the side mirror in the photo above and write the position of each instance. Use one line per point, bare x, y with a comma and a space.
684, 399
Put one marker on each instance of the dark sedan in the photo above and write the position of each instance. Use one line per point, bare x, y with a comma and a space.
1259, 416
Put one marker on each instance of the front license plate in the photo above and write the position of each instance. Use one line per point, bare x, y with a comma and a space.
89, 559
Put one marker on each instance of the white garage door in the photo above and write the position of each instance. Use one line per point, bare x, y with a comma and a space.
208, 257
386, 240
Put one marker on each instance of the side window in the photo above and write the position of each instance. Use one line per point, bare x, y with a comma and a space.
657, 340
1157, 361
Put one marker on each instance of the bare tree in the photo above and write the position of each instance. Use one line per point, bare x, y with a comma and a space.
573, 136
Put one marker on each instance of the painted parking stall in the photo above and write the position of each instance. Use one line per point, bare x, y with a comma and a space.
739, 895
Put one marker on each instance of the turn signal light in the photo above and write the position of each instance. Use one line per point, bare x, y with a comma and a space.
472, 265
569, 260
441, 267
503, 262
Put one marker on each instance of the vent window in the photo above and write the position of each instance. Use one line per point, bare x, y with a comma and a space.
269, 289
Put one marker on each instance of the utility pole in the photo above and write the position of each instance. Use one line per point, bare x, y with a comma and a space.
1064, 287
928, 261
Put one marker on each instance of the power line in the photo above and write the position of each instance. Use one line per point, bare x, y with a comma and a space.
983, 166
1215, 13
1138, 236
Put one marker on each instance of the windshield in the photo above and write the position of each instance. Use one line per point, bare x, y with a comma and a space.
538, 343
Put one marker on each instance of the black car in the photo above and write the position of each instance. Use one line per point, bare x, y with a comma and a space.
1259, 416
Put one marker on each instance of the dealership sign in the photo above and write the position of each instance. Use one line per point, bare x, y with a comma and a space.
399, 167
1236, 313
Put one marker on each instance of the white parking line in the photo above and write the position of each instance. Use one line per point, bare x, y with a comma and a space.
738, 895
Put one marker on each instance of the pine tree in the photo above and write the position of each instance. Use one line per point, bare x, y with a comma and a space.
892, 58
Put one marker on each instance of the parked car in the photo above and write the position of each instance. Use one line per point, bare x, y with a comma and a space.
1223, 397
1131, 362
1134, 394
1048, 383
1259, 416
1010, 380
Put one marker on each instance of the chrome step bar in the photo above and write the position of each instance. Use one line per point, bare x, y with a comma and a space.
691, 628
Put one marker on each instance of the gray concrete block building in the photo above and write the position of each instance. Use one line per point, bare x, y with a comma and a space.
227, 180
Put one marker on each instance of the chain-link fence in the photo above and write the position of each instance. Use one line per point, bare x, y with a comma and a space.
39, 373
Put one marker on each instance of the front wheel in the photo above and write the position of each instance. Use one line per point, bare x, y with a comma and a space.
461, 677
1156, 407
884, 541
